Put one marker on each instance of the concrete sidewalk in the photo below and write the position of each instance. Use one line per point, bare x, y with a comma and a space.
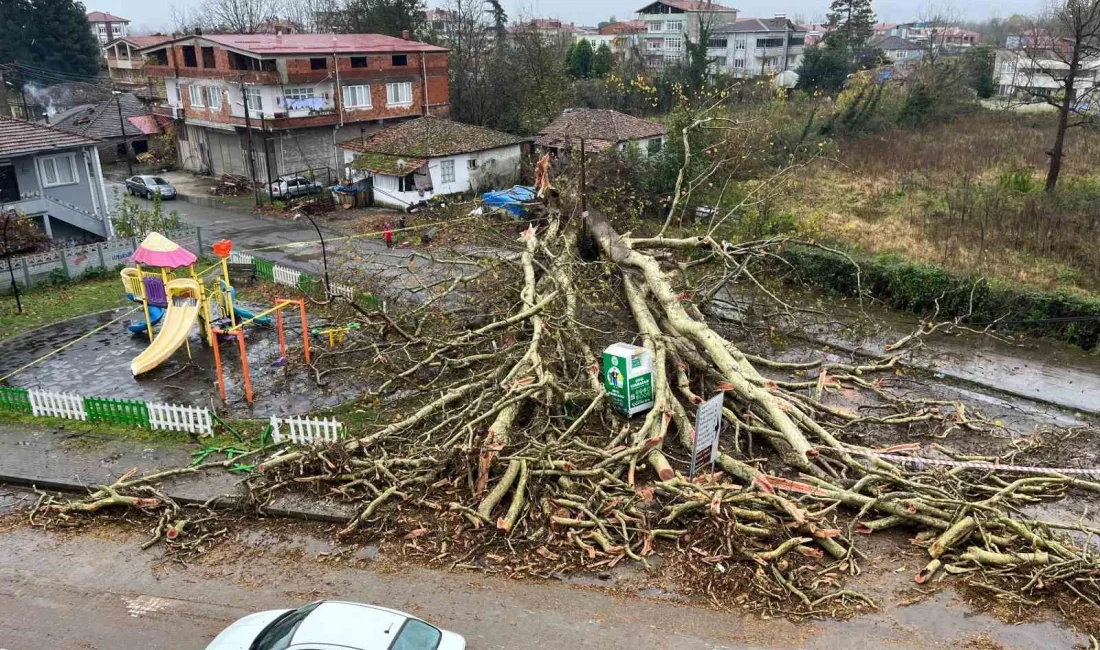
53, 458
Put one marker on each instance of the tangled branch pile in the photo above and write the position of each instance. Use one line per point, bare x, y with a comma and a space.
500, 445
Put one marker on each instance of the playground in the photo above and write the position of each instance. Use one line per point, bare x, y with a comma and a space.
161, 347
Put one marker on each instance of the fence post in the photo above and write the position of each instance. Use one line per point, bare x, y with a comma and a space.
65, 262
26, 273
198, 238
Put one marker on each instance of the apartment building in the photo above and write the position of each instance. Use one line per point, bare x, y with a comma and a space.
126, 65
669, 22
1035, 73
619, 36
290, 98
107, 27
754, 47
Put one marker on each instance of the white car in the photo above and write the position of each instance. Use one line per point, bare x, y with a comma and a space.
292, 186
334, 625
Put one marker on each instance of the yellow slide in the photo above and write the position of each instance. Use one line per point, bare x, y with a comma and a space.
183, 311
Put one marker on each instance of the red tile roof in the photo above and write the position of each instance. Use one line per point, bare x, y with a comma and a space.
20, 137
104, 17
273, 44
145, 41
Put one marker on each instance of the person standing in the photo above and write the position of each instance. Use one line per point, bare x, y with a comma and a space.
387, 234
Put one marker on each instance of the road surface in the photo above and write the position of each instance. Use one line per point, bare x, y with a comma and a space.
96, 590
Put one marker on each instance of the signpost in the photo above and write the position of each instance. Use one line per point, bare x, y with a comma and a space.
708, 421
628, 377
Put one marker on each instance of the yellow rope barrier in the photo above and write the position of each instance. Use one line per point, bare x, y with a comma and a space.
70, 343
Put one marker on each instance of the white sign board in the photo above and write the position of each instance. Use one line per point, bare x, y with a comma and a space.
708, 422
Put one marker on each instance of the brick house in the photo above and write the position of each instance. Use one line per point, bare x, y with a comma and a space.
304, 94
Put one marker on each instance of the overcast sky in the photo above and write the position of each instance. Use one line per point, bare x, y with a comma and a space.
151, 16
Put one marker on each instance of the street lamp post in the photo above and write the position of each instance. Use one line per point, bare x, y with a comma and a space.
7, 258
324, 253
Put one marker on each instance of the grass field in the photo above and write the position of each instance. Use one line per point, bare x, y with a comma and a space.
968, 195
49, 304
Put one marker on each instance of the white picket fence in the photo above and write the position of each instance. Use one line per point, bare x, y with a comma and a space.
286, 277
305, 431
166, 417
57, 405
237, 257
176, 417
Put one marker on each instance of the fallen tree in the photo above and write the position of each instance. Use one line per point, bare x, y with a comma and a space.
497, 443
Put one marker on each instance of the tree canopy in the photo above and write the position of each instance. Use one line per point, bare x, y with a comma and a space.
50, 34
823, 68
852, 23
579, 59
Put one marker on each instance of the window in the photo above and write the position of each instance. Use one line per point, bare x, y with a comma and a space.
102, 28
253, 99
674, 26
357, 96
358, 61
768, 42
417, 635
9, 185
797, 41
1006, 67
58, 170
656, 26
739, 63
277, 636
655, 45
294, 94
189, 60
447, 171
654, 145
740, 44
399, 94
406, 183
214, 97
196, 95
674, 43
208, 57
399, 60
318, 63
718, 42
471, 163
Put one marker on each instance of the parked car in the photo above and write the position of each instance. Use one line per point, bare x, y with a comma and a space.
334, 624
147, 186
292, 186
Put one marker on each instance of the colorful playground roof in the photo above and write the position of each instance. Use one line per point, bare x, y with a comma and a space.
158, 250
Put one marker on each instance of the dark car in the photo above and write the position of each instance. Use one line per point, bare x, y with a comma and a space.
147, 186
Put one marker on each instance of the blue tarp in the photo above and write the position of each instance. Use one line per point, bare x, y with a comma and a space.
511, 200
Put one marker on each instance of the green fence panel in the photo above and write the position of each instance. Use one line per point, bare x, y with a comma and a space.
311, 286
126, 412
264, 270
15, 399
369, 301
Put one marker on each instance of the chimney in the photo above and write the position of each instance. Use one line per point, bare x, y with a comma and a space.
780, 16
405, 34
198, 31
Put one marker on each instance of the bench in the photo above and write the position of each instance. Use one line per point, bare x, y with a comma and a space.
241, 272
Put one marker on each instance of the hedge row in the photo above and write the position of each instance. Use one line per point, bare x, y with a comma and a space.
915, 287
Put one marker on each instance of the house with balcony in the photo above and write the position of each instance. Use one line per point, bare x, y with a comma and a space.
53, 177
670, 22
619, 36
755, 47
107, 27
1034, 74
126, 65
279, 104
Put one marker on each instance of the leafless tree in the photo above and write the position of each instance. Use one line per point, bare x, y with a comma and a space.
471, 42
241, 16
1056, 61
938, 17
310, 15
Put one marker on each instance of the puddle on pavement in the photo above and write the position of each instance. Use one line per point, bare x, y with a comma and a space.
99, 366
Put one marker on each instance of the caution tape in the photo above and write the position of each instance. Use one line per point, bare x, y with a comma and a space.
970, 464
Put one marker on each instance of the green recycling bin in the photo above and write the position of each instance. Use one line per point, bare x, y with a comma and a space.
628, 377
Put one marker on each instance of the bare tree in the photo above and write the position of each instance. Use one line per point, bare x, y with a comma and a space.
241, 16
310, 15
939, 18
1055, 61
470, 42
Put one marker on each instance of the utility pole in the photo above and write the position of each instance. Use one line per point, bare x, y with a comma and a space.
248, 127
122, 126
584, 184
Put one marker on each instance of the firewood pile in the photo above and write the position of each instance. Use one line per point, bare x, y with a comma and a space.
232, 185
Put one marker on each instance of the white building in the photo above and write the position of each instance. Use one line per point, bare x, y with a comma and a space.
107, 27
755, 47
429, 156
1031, 75
670, 22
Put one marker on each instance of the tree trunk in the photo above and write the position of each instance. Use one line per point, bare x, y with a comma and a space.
1057, 150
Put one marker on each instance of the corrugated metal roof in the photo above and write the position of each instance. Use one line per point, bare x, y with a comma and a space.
20, 137
275, 44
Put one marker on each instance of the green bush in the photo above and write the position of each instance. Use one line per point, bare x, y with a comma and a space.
916, 287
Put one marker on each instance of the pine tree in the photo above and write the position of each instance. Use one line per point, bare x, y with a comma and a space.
603, 61
852, 23
50, 34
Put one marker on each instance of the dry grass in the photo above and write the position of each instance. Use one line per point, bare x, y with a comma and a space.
940, 195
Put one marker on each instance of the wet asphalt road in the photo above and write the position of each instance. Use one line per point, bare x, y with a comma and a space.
98, 591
